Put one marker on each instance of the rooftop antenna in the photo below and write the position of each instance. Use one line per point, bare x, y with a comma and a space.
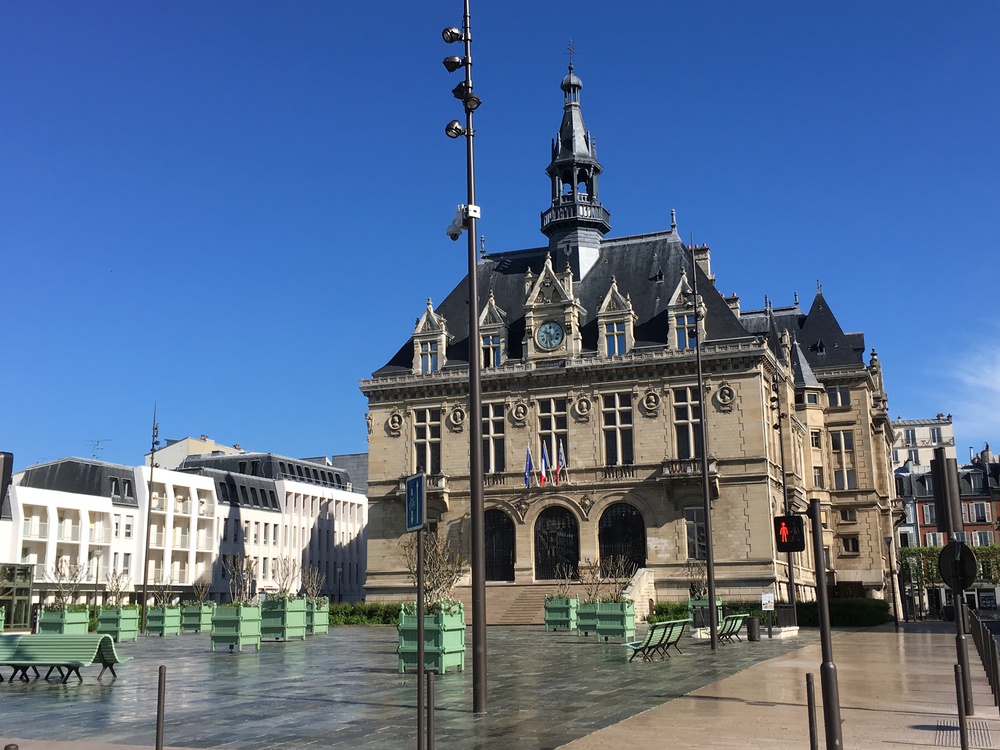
95, 447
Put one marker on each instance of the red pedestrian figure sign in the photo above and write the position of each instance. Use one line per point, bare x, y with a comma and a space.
789, 534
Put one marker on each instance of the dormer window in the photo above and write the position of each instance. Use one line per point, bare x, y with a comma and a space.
491, 350
687, 320
686, 332
492, 335
616, 320
430, 339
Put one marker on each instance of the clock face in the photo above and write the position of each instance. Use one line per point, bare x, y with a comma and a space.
550, 335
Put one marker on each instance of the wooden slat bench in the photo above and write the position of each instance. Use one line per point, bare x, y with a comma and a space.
729, 628
659, 638
62, 653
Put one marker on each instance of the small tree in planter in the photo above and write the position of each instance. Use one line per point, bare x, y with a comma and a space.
697, 572
163, 618
317, 605
117, 619
196, 615
590, 579
283, 616
64, 615
444, 619
615, 613
561, 609
237, 624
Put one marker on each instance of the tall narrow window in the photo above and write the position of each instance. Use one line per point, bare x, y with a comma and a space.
818, 477
839, 396
491, 350
694, 520
815, 439
115, 488
552, 431
428, 357
614, 337
617, 414
687, 422
909, 436
493, 439
427, 440
686, 331
935, 435
845, 476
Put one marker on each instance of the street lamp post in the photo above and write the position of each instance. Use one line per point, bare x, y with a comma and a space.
465, 220
149, 521
340, 581
892, 581
97, 574
779, 426
713, 614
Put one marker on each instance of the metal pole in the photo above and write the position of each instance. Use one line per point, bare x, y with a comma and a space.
420, 639
476, 498
776, 387
161, 699
892, 581
827, 670
430, 709
713, 614
811, 703
149, 522
963, 729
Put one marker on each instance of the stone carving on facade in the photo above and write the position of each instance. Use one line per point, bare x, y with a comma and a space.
369, 423
519, 413
725, 397
521, 506
394, 424
651, 403
586, 504
581, 409
456, 419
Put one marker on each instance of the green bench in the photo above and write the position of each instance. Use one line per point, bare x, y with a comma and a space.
62, 653
659, 638
729, 628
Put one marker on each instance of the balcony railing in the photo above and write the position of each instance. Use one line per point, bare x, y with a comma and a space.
205, 543
159, 502
36, 529
183, 508
68, 533
182, 541
156, 539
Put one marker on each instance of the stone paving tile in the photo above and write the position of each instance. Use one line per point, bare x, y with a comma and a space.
343, 691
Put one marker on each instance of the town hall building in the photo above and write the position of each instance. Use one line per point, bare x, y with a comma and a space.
587, 348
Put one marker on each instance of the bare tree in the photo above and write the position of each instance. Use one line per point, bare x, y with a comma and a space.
444, 565
241, 572
116, 588
66, 577
162, 592
618, 572
697, 579
313, 580
286, 574
565, 575
201, 589
590, 578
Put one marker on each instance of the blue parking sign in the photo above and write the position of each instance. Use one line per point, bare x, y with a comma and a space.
415, 505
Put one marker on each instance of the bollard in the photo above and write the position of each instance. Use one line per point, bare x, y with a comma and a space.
430, 709
10, 747
811, 703
161, 697
753, 629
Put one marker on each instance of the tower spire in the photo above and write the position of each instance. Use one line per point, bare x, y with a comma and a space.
576, 221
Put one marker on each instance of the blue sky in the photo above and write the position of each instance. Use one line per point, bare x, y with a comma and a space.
236, 210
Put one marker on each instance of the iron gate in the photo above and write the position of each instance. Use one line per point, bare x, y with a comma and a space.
557, 544
499, 546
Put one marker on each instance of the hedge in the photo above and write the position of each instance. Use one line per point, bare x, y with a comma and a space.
364, 614
846, 613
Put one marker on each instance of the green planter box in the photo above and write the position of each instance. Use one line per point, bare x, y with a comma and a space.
616, 620
561, 613
444, 640
64, 621
3, 618
586, 618
163, 621
236, 626
283, 619
121, 623
317, 616
197, 618
700, 614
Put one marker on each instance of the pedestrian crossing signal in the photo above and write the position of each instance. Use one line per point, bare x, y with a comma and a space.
789, 533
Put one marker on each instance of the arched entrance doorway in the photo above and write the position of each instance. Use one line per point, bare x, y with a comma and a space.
557, 544
499, 546
622, 533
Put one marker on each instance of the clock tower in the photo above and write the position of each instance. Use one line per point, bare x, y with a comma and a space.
552, 315
576, 222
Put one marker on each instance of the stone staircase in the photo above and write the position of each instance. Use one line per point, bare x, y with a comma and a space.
507, 604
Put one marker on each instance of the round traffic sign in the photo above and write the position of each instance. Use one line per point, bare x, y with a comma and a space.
958, 574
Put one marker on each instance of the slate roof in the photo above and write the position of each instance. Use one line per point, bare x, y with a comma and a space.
647, 267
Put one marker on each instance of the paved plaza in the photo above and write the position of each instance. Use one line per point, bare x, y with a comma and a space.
546, 690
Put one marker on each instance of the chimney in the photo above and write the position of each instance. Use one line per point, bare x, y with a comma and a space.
204, 438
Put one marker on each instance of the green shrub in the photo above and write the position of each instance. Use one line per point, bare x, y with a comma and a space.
846, 613
364, 614
668, 611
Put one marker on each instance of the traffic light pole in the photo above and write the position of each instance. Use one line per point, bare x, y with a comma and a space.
827, 670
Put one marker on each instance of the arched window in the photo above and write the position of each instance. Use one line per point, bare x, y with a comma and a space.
557, 544
499, 546
622, 533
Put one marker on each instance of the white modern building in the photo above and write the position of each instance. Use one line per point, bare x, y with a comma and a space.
94, 515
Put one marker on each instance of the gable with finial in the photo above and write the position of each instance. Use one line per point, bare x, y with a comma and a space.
552, 314
430, 342
493, 334
616, 320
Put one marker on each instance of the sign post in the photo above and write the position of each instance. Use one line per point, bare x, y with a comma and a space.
416, 507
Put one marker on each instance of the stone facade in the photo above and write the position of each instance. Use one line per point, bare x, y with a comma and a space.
588, 361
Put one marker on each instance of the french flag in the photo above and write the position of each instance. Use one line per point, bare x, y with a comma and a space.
543, 474
528, 468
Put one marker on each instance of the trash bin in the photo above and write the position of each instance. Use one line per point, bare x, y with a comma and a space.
753, 629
